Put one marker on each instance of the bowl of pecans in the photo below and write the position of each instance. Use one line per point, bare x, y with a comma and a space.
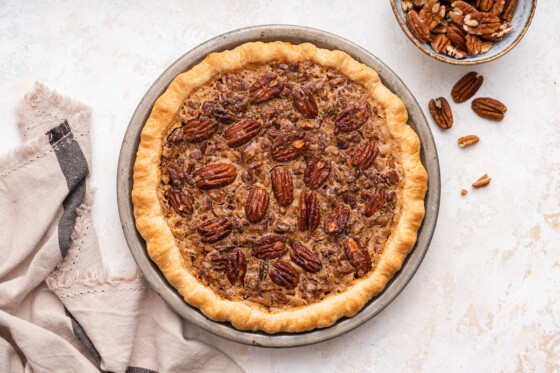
464, 32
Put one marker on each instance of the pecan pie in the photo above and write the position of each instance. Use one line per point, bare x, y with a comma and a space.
278, 186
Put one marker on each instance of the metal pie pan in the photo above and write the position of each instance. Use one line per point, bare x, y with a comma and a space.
294, 35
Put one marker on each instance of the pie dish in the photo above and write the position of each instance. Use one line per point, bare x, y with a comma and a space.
278, 186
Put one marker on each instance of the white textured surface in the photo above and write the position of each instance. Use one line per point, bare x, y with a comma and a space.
485, 297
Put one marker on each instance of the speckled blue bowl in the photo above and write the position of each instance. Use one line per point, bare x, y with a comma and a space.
521, 20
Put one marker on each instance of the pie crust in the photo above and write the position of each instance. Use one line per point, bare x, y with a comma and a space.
161, 244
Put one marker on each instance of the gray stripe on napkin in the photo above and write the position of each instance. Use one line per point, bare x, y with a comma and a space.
80, 333
75, 169
139, 370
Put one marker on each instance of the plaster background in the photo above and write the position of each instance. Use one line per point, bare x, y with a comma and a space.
485, 297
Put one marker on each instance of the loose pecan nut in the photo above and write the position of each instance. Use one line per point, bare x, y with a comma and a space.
316, 172
432, 13
358, 256
352, 118
459, 11
174, 170
304, 258
215, 176
482, 182
335, 223
509, 9
474, 44
417, 27
256, 205
304, 102
441, 112
236, 266
489, 108
440, 43
466, 87
457, 37
376, 202
365, 155
282, 186
270, 247
309, 214
481, 23
200, 129
214, 230
242, 132
455, 52
265, 88
283, 274
468, 140
180, 202
290, 146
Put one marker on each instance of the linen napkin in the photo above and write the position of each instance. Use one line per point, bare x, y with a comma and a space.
60, 310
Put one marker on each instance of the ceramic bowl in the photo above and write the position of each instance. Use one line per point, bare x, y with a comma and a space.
521, 20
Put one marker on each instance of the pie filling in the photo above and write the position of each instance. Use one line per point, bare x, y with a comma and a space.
281, 184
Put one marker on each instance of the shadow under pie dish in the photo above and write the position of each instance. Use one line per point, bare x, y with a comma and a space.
278, 186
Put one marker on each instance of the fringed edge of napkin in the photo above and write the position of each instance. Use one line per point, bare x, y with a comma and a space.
62, 277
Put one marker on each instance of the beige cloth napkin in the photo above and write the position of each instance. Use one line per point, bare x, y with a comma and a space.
60, 311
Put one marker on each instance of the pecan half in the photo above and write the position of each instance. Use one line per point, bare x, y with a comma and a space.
482, 182
174, 170
432, 13
180, 202
304, 258
365, 155
440, 110
316, 172
485, 46
358, 256
460, 10
455, 52
309, 214
304, 102
288, 147
509, 9
236, 266
242, 132
498, 7
256, 205
263, 269
457, 37
489, 108
352, 118
504, 29
417, 27
481, 23
391, 177
468, 140
335, 223
282, 186
215, 176
283, 274
200, 129
440, 43
270, 247
265, 88
214, 230
218, 262
376, 202
466, 87
474, 44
